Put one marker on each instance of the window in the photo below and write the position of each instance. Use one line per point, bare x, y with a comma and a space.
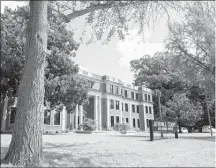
146, 109
116, 90
138, 123
78, 120
12, 115
117, 119
136, 96
117, 105
122, 107
125, 92
132, 95
126, 107
150, 110
111, 104
121, 92
147, 122
126, 120
149, 98
133, 108
137, 108
47, 114
111, 88
57, 118
112, 121
134, 122
145, 96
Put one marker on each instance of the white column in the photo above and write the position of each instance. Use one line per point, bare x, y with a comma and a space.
120, 107
76, 116
96, 111
130, 115
63, 118
108, 115
99, 112
81, 114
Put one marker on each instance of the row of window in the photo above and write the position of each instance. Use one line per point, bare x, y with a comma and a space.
126, 120
124, 106
115, 90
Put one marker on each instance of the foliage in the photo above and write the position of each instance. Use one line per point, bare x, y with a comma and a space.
180, 108
156, 72
191, 42
107, 18
60, 73
88, 125
122, 127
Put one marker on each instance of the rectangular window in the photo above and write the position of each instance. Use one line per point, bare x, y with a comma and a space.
121, 92
134, 123
117, 105
117, 119
126, 120
111, 104
137, 108
146, 109
122, 106
57, 118
150, 110
132, 95
147, 122
116, 90
111, 88
133, 108
112, 121
125, 92
138, 123
146, 97
149, 98
12, 115
136, 96
126, 107
47, 114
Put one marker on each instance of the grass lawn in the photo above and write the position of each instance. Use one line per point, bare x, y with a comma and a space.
130, 150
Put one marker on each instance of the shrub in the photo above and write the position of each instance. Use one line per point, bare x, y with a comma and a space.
123, 127
88, 125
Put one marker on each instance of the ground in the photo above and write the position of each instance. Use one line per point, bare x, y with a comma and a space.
130, 150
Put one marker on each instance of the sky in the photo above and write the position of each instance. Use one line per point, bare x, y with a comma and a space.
113, 59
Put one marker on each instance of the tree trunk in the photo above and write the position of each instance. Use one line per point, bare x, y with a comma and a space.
179, 124
4, 106
26, 145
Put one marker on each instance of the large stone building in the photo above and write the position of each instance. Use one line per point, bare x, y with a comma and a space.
110, 102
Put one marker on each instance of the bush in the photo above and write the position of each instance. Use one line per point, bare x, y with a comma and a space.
123, 127
88, 125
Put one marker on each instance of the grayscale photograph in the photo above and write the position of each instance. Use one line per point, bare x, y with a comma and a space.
108, 83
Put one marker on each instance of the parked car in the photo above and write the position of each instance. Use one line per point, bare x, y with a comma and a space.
184, 130
206, 128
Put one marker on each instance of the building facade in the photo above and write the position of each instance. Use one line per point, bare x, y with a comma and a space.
110, 101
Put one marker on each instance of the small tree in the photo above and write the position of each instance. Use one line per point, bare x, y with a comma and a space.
122, 127
183, 110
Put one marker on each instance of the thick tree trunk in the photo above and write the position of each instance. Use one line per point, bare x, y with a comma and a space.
26, 144
4, 106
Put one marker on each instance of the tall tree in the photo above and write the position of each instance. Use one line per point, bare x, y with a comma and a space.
26, 145
156, 72
182, 110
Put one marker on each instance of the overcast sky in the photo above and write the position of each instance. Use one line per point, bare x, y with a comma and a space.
113, 59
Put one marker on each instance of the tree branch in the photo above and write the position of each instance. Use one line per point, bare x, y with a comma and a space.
198, 61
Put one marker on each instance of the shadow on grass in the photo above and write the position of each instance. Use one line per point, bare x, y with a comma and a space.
204, 138
48, 145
